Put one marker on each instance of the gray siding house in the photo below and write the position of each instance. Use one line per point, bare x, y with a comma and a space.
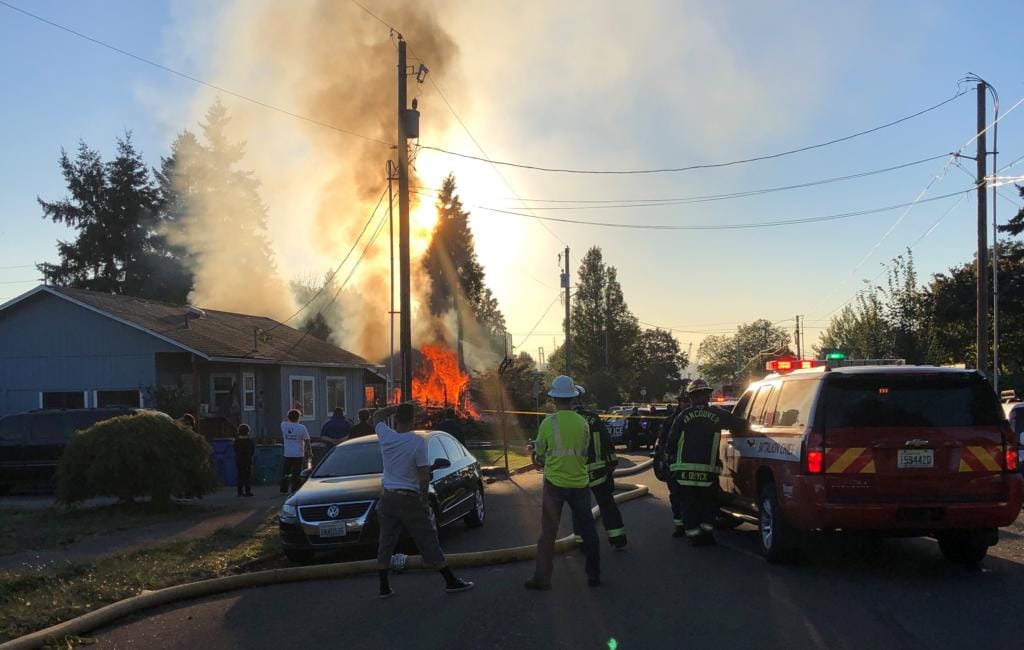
70, 348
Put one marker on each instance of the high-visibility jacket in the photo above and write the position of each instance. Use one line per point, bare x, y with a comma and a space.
601, 458
563, 441
692, 447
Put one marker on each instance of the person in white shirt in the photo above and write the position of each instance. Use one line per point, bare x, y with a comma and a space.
296, 450
404, 502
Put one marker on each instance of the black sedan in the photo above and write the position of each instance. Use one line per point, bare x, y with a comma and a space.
335, 507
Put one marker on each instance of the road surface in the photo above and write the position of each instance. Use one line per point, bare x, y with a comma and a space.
660, 593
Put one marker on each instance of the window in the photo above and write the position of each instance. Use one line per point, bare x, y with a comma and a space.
742, 407
756, 415
795, 401
106, 398
249, 391
303, 396
435, 450
453, 448
352, 460
221, 393
62, 400
335, 393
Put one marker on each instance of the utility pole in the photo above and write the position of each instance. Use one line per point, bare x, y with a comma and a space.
568, 337
391, 286
982, 269
405, 289
799, 350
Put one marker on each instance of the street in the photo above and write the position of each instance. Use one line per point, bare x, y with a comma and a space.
659, 593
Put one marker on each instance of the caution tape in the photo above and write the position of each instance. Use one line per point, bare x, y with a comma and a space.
604, 416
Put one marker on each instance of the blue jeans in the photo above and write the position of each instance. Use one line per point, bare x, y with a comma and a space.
582, 522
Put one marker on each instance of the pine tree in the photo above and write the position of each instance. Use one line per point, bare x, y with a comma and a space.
113, 206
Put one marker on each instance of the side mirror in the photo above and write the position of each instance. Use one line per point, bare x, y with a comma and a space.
440, 463
304, 474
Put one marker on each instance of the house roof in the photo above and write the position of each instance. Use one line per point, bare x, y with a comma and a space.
214, 335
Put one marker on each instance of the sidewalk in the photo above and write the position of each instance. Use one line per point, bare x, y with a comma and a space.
230, 510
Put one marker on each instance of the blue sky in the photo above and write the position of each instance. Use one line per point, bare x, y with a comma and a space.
607, 86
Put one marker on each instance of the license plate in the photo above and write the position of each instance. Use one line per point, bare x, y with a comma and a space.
332, 530
915, 458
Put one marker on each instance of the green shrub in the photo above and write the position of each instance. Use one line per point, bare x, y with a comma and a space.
132, 456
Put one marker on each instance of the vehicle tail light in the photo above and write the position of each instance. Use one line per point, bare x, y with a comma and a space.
815, 461
1012, 460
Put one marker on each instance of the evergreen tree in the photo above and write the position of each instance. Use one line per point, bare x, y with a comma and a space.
658, 366
457, 278
113, 206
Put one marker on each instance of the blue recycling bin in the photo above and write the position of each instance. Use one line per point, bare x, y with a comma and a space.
267, 464
224, 460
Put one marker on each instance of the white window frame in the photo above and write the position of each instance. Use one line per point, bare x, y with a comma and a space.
247, 392
213, 392
344, 393
312, 380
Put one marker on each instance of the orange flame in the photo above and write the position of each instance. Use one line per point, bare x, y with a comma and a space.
438, 381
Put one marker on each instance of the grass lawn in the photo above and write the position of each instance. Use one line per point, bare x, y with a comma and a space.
57, 526
516, 457
34, 600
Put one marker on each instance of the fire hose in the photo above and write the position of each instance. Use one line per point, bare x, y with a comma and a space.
149, 599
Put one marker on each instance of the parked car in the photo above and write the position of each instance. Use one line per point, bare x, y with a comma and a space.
616, 422
1015, 416
890, 450
336, 506
31, 443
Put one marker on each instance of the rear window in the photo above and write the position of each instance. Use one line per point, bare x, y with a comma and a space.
351, 460
886, 400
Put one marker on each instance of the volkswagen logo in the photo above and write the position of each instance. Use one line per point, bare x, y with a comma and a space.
333, 512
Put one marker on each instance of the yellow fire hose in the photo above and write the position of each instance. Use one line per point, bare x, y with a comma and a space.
149, 599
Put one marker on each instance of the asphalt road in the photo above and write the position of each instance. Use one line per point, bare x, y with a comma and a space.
660, 593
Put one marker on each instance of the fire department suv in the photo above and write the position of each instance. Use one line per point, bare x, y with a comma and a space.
897, 450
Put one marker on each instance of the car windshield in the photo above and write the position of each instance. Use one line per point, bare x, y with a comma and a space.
351, 460
886, 400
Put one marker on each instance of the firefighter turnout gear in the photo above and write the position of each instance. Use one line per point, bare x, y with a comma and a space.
692, 453
661, 469
601, 463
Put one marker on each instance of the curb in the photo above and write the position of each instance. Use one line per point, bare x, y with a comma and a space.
149, 599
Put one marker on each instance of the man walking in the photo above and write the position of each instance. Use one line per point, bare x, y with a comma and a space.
692, 448
337, 428
563, 442
296, 449
404, 502
601, 463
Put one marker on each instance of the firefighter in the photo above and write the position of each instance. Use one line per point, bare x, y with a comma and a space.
661, 463
601, 463
692, 450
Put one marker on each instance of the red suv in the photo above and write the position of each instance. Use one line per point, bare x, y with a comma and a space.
897, 450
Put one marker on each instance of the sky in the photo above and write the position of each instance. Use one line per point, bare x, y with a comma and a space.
595, 85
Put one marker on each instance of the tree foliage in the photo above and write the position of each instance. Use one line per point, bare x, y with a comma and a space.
741, 356
658, 366
133, 456
114, 209
457, 281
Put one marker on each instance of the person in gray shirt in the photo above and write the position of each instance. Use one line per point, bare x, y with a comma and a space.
403, 501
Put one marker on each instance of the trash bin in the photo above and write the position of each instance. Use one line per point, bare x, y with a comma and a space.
267, 464
224, 460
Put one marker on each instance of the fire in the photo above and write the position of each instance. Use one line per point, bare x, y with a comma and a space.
439, 382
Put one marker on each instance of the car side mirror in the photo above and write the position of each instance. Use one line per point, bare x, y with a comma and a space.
440, 463
304, 474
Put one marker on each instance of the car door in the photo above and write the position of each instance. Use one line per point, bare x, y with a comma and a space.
729, 451
442, 479
464, 480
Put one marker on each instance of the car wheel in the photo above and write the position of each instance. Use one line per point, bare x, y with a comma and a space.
776, 536
963, 547
475, 518
298, 556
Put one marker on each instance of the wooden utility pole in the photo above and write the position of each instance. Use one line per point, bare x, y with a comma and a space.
566, 284
799, 349
405, 289
391, 286
982, 267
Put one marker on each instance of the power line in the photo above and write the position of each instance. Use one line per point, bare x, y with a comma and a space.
330, 278
191, 78
22, 281
731, 226
604, 204
539, 320
717, 165
376, 17
17, 266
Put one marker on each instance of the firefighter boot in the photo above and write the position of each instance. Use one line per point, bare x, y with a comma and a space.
679, 531
619, 542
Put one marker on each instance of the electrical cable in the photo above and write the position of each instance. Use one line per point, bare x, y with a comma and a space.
22, 281
377, 18
539, 321
17, 266
731, 226
664, 170
604, 204
330, 278
193, 79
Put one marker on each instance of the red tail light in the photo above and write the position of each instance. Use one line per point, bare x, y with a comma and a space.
815, 461
1012, 460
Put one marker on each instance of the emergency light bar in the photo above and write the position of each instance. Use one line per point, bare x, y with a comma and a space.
788, 365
